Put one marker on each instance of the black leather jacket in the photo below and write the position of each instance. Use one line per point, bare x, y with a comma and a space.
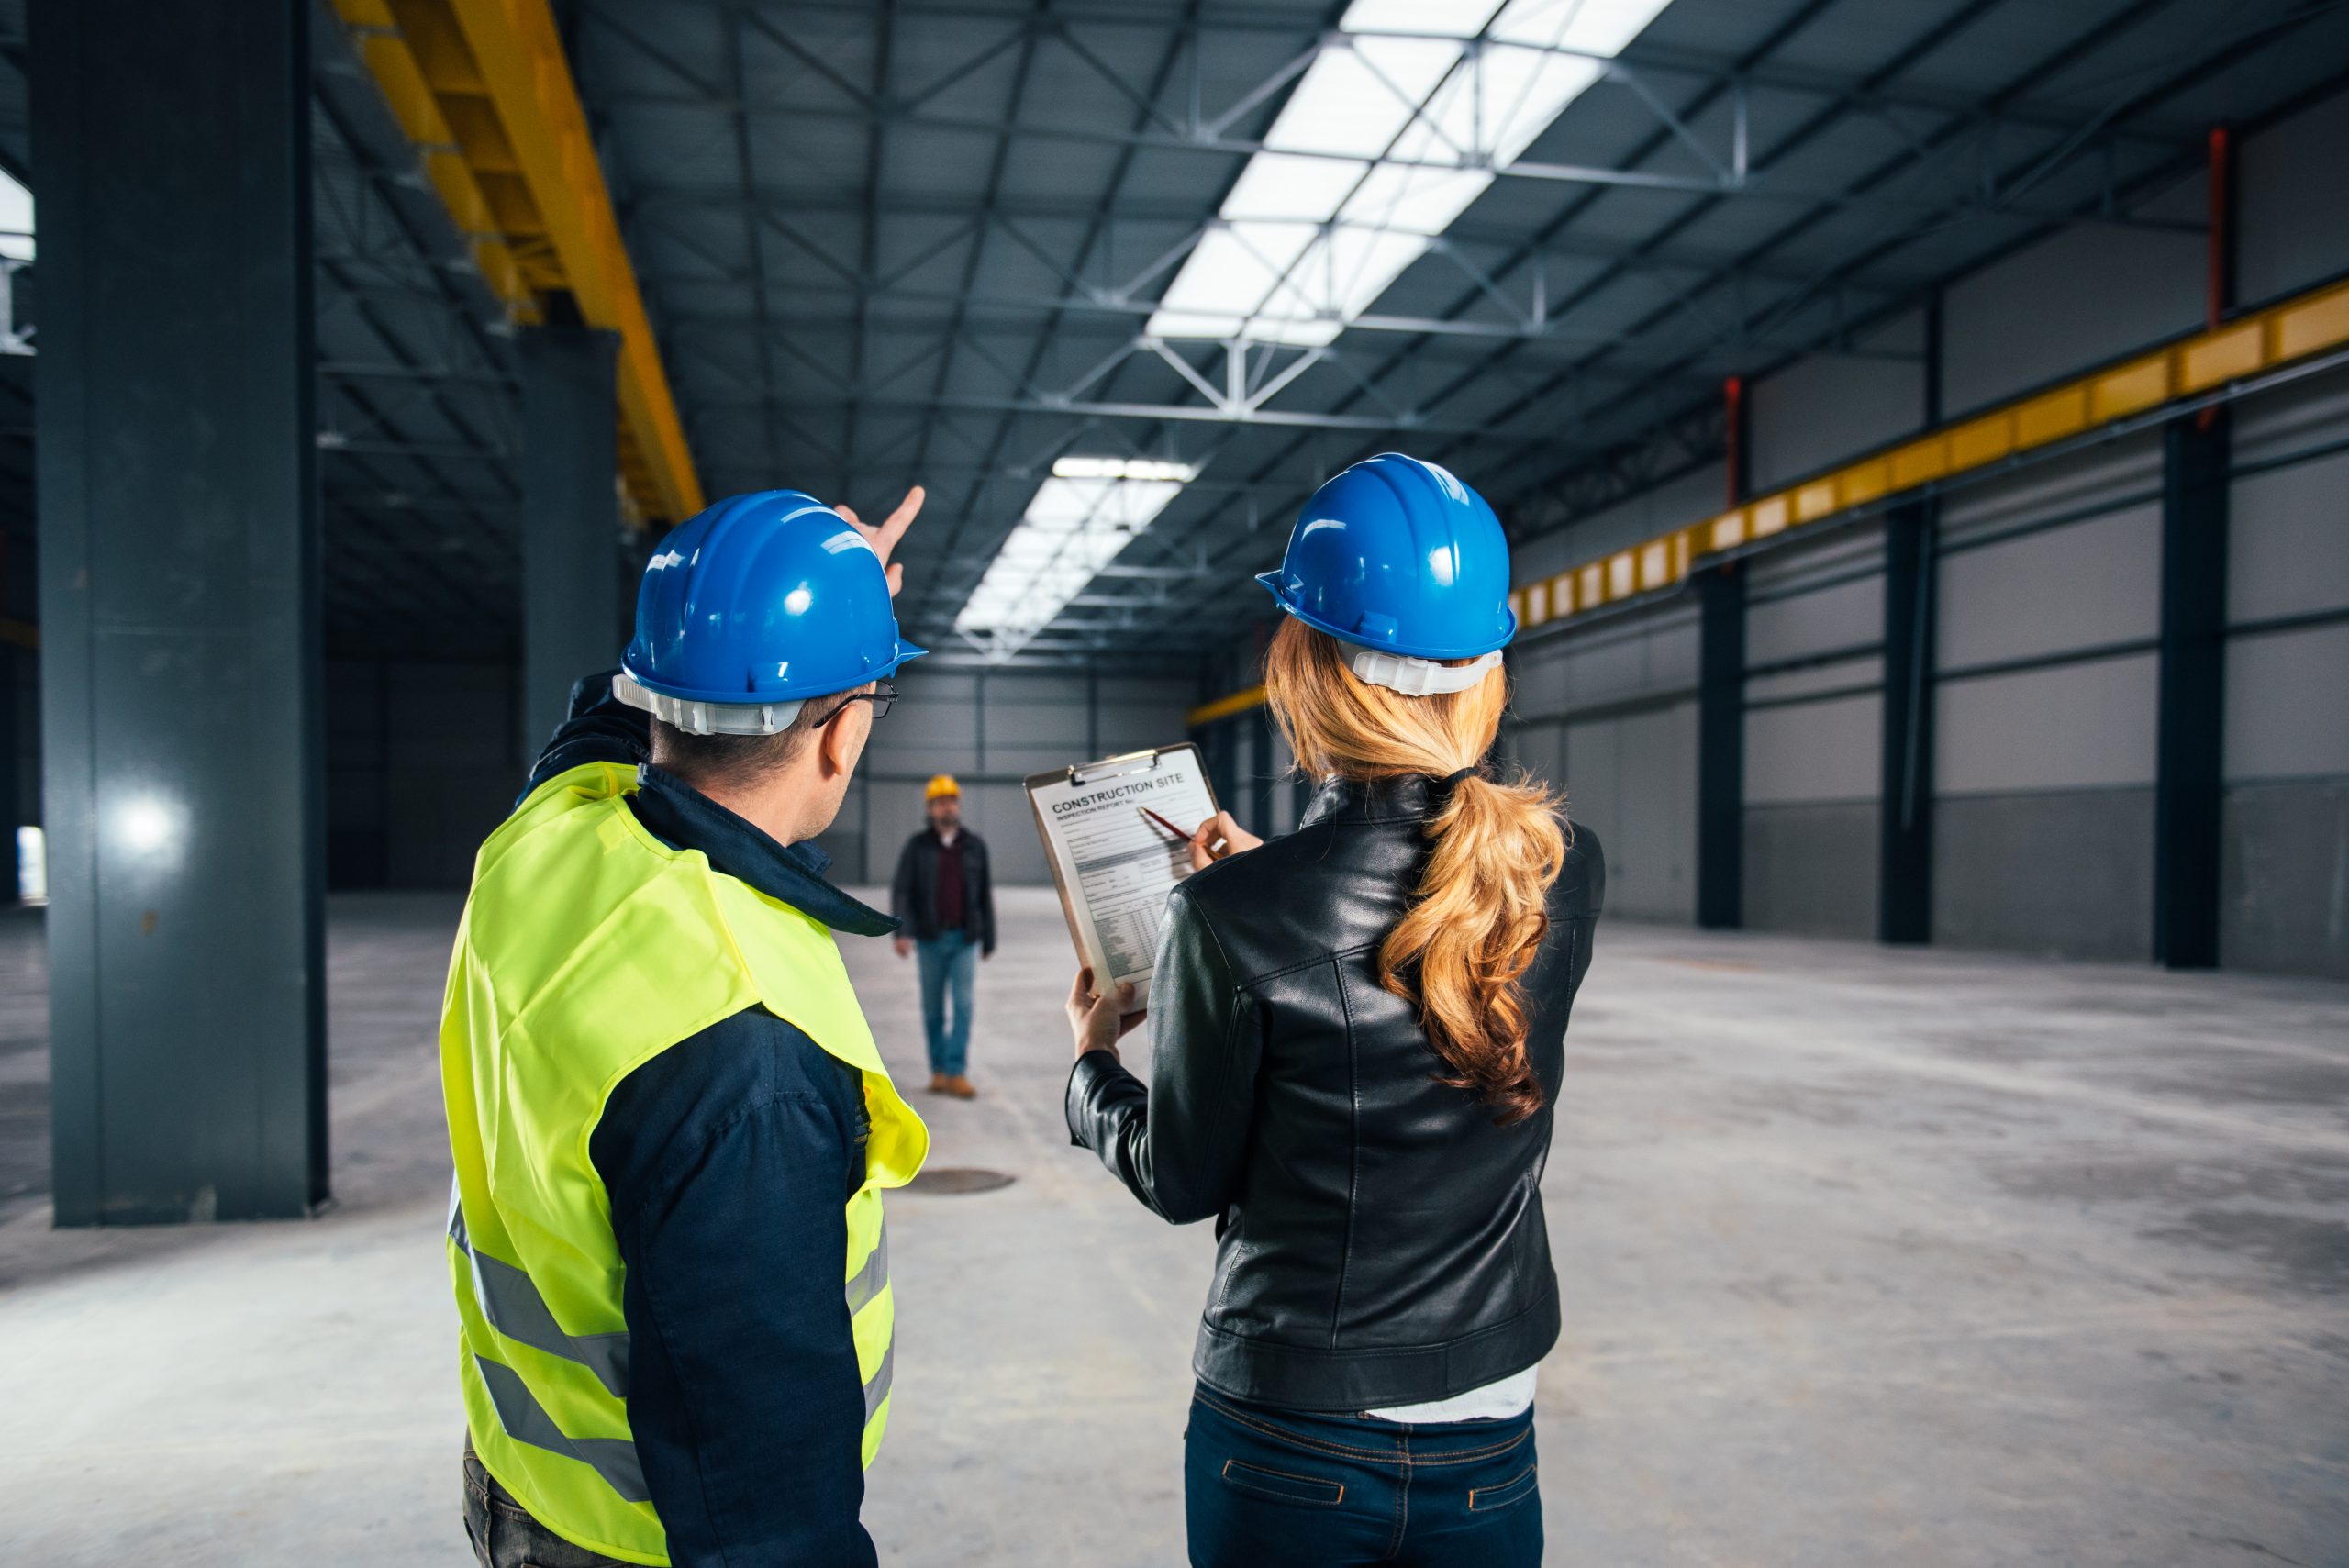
1380, 1240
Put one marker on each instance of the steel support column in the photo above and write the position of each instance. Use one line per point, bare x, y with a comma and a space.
1905, 821
2189, 753
1720, 748
571, 556
179, 590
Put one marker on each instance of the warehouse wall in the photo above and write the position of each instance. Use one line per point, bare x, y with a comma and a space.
2046, 643
2284, 871
1609, 715
423, 763
1813, 708
991, 729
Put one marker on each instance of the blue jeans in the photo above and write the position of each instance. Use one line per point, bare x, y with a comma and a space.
1262, 1486
948, 961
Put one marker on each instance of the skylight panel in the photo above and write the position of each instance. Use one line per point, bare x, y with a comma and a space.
15, 220
1075, 525
1384, 142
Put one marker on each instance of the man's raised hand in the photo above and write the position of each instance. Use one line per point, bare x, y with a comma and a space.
885, 538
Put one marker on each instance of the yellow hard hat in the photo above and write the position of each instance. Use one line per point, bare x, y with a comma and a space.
943, 784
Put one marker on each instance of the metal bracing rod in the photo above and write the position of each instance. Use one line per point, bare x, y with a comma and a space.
2081, 44
1753, 185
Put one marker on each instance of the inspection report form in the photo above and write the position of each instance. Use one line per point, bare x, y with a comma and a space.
1113, 864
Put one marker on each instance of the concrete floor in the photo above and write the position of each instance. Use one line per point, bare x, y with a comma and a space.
1868, 1257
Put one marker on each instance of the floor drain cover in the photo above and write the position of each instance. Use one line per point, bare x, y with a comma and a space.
959, 1179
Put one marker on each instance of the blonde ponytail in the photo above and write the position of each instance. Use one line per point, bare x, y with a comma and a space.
1460, 952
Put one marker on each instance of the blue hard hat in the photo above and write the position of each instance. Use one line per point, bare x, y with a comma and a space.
1396, 554
763, 598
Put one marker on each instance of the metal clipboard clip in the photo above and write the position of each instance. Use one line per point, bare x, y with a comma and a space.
1115, 767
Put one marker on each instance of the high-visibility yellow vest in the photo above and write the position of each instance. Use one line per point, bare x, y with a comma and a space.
589, 947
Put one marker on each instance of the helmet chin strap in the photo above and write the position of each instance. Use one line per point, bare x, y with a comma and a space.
707, 718
1417, 677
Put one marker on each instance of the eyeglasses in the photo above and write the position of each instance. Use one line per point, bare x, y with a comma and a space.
881, 697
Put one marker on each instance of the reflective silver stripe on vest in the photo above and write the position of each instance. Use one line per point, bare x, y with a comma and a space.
526, 1421
877, 1389
873, 1277
515, 1309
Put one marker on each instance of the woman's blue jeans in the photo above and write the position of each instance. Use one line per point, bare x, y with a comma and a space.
947, 963
1264, 1487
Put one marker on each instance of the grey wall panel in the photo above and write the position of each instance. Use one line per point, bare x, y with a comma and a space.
934, 727
1832, 406
2285, 878
2292, 421
2076, 586
2288, 539
1036, 721
2051, 310
2292, 191
1633, 779
2287, 704
1836, 677
2070, 727
1135, 713
1672, 504
1811, 869
1613, 661
2094, 478
1813, 751
2069, 874
1840, 616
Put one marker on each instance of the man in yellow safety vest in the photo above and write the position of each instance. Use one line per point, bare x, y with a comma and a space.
671, 1128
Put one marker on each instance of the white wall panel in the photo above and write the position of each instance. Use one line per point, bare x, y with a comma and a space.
2071, 727
1633, 780
2288, 539
2052, 310
1836, 617
2287, 704
2292, 195
1813, 751
1674, 504
1828, 407
2075, 586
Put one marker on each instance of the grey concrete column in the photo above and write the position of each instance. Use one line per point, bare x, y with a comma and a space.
1905, 807
1721, 748
179, 591
2190, 752
571, 554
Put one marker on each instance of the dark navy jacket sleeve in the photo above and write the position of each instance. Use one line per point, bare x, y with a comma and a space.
729, 1159
599, 728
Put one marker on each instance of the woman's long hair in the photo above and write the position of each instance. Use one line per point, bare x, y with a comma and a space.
1460, 952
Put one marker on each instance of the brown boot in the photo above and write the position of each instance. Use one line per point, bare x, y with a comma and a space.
961, 1088
939, 1083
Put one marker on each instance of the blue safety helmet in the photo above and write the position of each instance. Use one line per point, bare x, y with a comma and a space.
1397, 555
754, 606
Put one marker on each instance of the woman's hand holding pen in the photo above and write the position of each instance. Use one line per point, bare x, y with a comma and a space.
1218, 836
1099, 1022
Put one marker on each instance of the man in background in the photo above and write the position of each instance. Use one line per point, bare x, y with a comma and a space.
944, 899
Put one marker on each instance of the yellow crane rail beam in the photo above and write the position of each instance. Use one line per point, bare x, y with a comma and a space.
483, 90
2262, 341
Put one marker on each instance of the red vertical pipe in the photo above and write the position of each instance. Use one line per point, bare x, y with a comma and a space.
1733, 423
2222, 267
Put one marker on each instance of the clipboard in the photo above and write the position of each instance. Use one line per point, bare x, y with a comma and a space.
1112, 868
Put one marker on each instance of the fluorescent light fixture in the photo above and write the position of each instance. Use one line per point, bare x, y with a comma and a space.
1077, 523
1383, 143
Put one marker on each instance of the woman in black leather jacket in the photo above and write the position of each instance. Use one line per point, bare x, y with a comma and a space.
1358, 1035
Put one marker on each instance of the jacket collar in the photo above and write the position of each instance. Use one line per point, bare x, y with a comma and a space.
684, 818
1410, 799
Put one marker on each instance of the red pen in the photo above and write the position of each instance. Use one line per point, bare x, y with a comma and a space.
1162, 821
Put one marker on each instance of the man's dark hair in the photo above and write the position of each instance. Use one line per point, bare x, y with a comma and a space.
742, 758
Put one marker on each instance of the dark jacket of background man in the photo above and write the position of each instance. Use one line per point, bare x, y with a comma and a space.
913, 897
